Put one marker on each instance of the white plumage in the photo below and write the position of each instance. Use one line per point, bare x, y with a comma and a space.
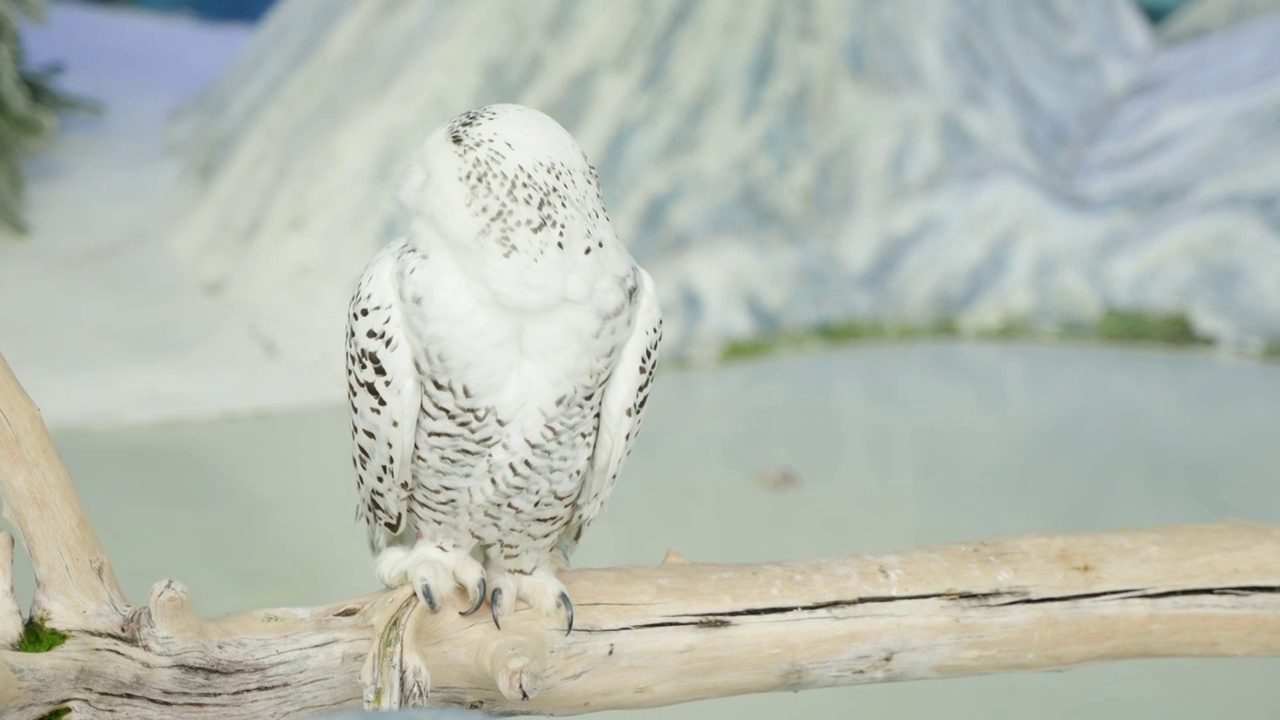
499, 358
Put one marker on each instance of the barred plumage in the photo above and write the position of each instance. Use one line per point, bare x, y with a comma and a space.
499, 359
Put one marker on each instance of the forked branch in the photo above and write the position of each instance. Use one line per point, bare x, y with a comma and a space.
75, 585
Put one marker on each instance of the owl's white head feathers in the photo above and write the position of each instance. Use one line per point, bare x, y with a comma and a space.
511, 182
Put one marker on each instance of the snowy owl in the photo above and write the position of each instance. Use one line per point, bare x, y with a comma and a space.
499, 357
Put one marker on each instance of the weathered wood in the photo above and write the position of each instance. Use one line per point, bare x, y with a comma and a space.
10, 611
644, 636
75, 585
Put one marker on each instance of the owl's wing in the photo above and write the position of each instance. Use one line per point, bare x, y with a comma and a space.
385, 394
621, 410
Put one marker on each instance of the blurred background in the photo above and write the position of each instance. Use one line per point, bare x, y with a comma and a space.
933, 270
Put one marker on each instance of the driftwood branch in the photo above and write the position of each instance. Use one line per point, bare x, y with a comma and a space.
75, 585
644, 636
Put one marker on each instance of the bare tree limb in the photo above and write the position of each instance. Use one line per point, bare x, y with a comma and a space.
644, 636
10, 612
75, 585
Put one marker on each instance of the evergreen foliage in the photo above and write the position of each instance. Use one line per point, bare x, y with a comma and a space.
28, 107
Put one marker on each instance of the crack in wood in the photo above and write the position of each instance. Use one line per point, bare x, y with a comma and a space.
980, 600
1142, 594
1239, 591
145, 699
190, 694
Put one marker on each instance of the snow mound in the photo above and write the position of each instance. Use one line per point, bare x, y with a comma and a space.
773, 164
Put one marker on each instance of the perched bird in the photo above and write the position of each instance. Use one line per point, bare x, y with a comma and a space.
499, 357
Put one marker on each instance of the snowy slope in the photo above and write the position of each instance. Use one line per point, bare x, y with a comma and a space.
99, 322
1203, 17
1187, 173
764, 159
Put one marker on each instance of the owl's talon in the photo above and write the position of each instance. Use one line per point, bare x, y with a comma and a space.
478, 601
568, 610
494, 599
428, 598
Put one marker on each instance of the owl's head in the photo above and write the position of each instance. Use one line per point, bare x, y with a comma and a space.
510, 180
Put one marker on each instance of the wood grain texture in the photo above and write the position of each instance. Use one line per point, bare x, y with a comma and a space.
75, 585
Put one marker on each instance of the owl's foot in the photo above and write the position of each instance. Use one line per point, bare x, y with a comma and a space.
433, 572
541, 589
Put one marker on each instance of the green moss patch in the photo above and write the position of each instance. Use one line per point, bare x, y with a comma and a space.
1271, 351
1114, 326
38, 637
1162, 328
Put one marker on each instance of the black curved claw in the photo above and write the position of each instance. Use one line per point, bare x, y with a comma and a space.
428, 598
568, 610
494, 599
479, 599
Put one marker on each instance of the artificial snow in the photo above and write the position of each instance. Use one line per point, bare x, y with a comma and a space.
774, 165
